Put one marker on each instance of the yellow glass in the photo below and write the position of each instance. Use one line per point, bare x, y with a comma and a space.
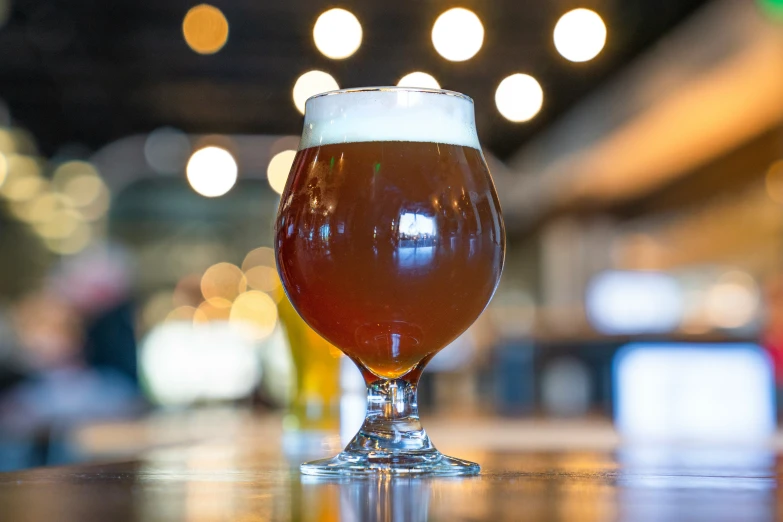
315, 405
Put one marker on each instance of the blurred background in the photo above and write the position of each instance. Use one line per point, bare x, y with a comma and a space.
637, 148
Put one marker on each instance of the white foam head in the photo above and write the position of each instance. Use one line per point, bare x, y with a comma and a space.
389, 114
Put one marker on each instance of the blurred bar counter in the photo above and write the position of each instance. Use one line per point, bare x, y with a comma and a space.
224, 466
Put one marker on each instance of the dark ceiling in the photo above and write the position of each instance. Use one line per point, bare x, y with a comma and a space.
91, 71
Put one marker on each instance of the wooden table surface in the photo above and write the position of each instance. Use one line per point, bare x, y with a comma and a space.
246, 478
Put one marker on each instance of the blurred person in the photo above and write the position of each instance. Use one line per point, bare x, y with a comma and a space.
11, 368
61, 388
61, 391
97, 282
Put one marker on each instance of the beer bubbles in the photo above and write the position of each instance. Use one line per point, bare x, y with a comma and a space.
337, 34
458, 34
212, 171
278, 169
519, 97
580, 35
419, 79
310, 84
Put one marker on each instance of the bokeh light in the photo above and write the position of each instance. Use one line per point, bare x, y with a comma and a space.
156, 308
83, 190
80, 182
69, 170
261, 272
212, 171
337, 33
205, 29
167, 150
261, 256
733, 301
310, 84
263, 278
182, 365
223, 281
187, 291
7, 142
59, 225
215, 309
256, 310
48, 207
279, 168
519, 97
774, 182
3, 169
458, 34
76, 241
189, 314
419, 79
23, 179
580, 35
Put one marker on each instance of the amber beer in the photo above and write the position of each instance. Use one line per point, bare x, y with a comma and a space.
390, 249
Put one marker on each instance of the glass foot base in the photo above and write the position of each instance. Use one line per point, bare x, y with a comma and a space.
361, 464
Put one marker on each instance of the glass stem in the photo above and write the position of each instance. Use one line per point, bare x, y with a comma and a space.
392, 422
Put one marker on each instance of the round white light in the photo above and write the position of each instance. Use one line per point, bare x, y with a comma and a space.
212, 171
457, 34
420, 80
337, 34
519, 97
733, 301
310, 84
580, 35
278, 169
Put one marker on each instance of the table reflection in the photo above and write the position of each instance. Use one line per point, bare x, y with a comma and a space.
382, 499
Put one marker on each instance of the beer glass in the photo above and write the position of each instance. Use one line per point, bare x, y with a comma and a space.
315, 405
389, 242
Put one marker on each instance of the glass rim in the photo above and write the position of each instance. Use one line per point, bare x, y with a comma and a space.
391, 88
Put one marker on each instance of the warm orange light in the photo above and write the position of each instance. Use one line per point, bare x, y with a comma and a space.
310, 84
263, 278
775, 182
205, 29
580, 35
187, 314
216, 309
458, 34
260, 270
419, 79
223, 281
211, 171
157, 308
337, 33
255, 311
279, 168
519, 97
262, 256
